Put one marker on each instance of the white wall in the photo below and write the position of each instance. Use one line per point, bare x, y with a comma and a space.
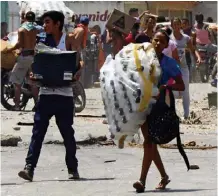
14, 18
98, 11
207, 8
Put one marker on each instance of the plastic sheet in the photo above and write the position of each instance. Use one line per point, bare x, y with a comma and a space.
128, 84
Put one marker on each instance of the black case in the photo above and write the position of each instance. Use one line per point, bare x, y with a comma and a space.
54, 70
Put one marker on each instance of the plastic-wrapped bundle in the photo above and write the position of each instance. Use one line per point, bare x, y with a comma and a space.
128, 84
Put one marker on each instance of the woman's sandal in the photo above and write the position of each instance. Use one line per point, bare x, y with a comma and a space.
139, 186
163, 183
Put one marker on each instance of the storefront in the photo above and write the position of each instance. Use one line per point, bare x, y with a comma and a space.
170, 9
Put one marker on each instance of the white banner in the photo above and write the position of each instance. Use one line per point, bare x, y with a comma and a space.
97, 11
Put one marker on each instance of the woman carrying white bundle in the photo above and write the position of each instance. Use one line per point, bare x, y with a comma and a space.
170, 69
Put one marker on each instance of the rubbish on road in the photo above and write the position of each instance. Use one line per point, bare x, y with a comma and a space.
88, 116
107, 143
57, 142
16, 128
110, 161
105, 122
193, 167
25, 124
92, 140
197, 147
10, 140
193, 119
192, 143
174, 146
128, 86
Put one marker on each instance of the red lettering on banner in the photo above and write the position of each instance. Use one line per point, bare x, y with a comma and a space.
96, 17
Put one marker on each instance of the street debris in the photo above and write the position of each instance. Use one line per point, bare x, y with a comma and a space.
193, 167
192, 143
188, 145
10, 140
102, 141
110, 161
16, 128
193, 119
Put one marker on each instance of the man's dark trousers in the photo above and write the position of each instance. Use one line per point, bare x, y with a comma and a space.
62, 107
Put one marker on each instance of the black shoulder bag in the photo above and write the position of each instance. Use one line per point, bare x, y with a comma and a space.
163, 123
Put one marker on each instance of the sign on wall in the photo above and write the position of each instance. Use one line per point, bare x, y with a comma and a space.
97, 11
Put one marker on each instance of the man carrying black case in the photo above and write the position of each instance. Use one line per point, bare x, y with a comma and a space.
53, 101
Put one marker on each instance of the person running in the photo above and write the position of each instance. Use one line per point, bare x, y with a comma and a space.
171, 51
150, 24
80, 35
117, 41
27, 34
134, 12
182, 42
203, 36
188, 30
56, 102
131, 38
170, 69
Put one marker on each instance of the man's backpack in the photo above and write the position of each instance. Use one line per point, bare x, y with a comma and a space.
163, 123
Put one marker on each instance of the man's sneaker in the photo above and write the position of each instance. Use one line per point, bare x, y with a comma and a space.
27, 173
73, 175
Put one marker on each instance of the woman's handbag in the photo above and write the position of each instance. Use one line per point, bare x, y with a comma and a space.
163, 123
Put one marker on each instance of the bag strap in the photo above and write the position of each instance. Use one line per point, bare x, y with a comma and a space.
172, 99
162, 95
182, 152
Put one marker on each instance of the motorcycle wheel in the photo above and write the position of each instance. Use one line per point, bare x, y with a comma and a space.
204, 73
79, 97
7, 94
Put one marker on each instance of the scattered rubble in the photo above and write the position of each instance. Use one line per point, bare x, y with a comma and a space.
16, 128
102, 141
193, 167
188, 145
10, 140
193, 119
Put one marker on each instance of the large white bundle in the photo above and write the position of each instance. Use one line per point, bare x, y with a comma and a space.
128, 83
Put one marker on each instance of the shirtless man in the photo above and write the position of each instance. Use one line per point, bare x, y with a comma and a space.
26, 43
79, 37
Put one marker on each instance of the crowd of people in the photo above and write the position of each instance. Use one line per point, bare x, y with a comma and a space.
176, 49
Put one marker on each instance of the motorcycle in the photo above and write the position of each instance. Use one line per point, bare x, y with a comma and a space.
208, 62
214, 75
8, 93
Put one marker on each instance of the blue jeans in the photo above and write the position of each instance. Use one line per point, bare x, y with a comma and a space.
62, 108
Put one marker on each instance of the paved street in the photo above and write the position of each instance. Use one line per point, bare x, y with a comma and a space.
99, 178
113, 178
